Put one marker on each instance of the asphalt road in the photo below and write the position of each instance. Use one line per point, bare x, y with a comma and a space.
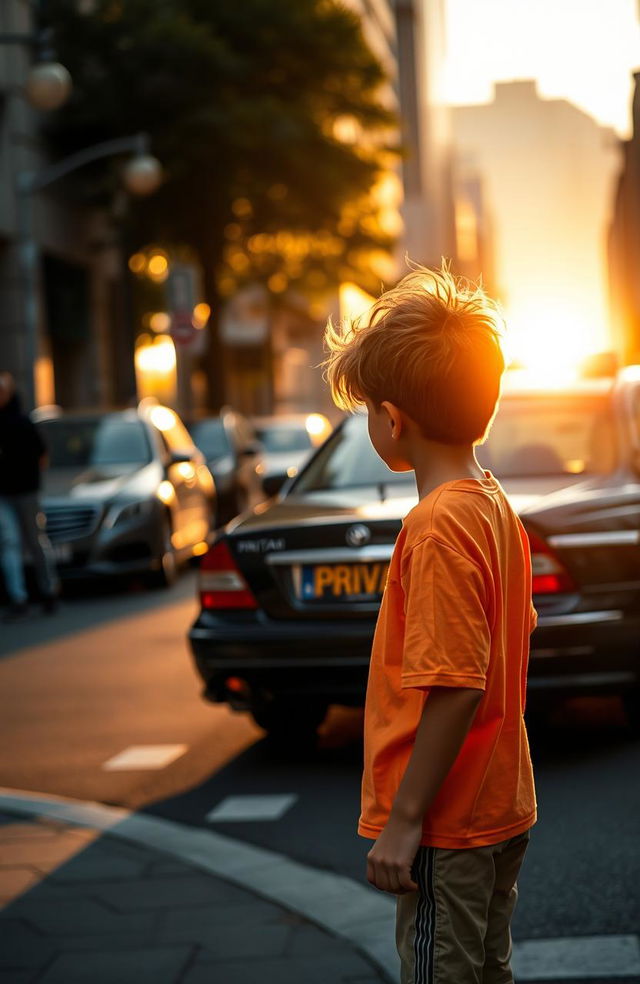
111, 672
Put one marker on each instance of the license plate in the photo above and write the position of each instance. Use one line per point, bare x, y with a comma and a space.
62, 552
355, 582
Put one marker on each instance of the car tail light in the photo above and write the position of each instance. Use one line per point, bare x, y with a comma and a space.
221, 583
549, 575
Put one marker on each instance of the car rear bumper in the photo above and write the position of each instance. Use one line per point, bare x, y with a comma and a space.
328, 659
586, 653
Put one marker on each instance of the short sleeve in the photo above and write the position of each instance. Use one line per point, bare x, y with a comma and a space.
447, 639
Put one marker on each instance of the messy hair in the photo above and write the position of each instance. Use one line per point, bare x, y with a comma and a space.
431, 346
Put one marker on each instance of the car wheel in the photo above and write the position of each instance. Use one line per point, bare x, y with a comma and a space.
290, 721
631, 704
166, 571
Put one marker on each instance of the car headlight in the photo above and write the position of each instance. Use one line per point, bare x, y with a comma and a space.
124, 512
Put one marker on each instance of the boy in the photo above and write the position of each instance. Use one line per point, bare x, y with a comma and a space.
447, 791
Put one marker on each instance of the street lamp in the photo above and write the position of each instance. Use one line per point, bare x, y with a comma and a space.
48, 85
142, 176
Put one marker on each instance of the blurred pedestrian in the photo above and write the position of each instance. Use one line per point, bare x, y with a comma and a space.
447, 793
23, 456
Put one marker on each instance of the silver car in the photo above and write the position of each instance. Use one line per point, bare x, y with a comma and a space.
126, 493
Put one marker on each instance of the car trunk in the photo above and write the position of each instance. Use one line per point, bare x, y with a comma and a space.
299, 563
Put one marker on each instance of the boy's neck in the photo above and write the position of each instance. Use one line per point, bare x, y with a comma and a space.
435, 464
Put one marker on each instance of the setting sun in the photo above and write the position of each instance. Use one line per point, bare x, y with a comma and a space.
552, 337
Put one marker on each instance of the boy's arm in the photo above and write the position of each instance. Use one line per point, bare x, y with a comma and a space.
447, 716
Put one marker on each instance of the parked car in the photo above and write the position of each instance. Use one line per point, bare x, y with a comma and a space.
125, 493
289, 595
233, 455
287, 442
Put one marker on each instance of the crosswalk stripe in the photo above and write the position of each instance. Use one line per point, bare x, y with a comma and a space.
577, 958
239, 808
144, 757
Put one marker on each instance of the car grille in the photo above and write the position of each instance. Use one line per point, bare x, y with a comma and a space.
70, 522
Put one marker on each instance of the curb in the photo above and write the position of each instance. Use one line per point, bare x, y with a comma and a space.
359, 915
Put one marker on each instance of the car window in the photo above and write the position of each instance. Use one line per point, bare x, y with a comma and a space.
211, 437
348, 460
281, 439
96, 442
551, 435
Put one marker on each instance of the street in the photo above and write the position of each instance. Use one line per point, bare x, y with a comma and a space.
111, 673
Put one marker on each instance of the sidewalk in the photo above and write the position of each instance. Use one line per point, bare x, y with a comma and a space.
91, 894
84, 905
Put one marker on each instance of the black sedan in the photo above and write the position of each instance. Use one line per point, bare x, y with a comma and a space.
289, 594
125, 493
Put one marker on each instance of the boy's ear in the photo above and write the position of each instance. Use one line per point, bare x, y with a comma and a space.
395, 416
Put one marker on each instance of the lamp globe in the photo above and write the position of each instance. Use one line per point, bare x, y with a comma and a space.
142, 175
48, 85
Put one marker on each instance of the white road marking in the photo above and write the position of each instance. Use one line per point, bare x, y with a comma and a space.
144, 757
577, 958
235, 808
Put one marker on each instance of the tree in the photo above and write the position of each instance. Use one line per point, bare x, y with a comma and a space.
247, 105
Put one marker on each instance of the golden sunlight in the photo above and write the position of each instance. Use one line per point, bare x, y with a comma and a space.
551, 337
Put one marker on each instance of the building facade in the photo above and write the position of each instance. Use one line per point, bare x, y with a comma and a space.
624, 245
547, 171
75, 357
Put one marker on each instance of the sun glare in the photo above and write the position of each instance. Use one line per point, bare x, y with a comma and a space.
551, 339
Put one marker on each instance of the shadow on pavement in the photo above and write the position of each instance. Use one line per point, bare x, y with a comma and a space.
88, 604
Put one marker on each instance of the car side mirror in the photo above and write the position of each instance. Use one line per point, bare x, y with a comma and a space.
271, 484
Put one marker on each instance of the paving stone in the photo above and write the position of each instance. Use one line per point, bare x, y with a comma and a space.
77, 917
162, 965
311, 970
221, 943
193, 920
90, 866
15, 881
159, 868
308, 939
16, 976
21, 947
154, 893
26, 831
145, 939
54, 850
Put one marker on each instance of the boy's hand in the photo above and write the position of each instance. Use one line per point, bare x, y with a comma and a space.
390, 860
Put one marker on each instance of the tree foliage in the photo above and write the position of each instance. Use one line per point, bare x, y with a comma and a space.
245, 104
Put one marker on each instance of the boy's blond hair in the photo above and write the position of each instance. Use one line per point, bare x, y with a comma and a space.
431, 346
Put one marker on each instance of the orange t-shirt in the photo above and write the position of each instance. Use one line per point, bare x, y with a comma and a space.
456, 612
